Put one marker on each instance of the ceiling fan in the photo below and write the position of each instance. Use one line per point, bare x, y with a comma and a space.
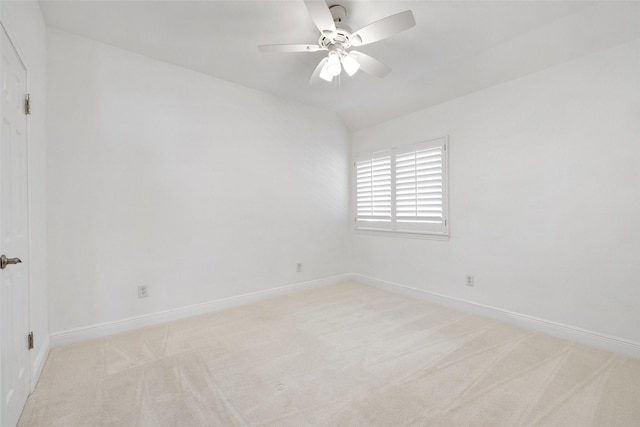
337, 38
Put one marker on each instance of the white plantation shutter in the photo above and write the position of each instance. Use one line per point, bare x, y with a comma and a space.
419, 187
373, 191
404, 189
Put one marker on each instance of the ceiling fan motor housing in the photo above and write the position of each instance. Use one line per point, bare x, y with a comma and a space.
340, 38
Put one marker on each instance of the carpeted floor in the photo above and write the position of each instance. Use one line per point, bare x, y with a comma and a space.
344, 355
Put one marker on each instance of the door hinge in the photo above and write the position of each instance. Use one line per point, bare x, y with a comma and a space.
30, 340
27, 104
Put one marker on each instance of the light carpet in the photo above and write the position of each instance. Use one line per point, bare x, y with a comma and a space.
343, 355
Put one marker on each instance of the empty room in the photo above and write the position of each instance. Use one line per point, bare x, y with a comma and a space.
320, 213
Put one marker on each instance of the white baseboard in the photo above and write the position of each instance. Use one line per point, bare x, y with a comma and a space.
569, 332
38, 362
572, 333
110, 328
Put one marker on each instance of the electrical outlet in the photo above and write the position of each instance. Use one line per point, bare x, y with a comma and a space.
469, 280
299, 267
143, 291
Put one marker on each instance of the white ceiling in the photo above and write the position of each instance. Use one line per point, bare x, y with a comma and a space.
455, 48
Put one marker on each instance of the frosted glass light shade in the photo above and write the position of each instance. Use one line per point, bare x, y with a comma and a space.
350, 65
333, 65
324, 74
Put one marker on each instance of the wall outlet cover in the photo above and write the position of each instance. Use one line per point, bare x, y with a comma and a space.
143, 291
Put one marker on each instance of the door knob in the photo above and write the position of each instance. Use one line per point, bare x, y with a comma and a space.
4, 261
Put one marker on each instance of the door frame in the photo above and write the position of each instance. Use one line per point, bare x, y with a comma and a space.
6, 27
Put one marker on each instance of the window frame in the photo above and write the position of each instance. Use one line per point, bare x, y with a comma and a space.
438, 231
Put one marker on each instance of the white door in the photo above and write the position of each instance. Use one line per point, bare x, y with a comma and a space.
14, 283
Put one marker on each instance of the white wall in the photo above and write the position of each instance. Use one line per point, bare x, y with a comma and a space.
24, 21
545, 196
198, 188
162, 176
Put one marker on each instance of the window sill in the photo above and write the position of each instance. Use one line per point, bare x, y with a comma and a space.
404, 234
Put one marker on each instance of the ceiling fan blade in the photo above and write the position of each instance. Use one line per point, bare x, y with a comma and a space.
370, 65
383, 28
289, 48
315, 77
321, 15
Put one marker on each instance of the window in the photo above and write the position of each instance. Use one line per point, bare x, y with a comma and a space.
403, 190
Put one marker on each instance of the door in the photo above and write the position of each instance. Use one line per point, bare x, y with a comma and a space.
14, 297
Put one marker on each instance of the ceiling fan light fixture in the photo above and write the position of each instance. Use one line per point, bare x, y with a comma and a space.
350, 64
333, 66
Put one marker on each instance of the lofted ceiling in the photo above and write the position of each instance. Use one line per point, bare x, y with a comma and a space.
456, 47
